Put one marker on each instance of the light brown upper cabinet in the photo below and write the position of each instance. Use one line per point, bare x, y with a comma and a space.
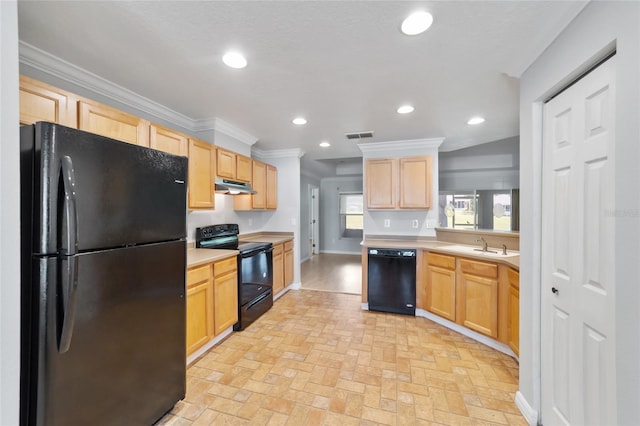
106, 121
264, 182
415, 182
202, 172
41, 102
399, 183
272, 187
233, 166
168, 140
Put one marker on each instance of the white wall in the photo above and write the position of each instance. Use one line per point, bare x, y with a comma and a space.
287, 217
582, 44
331, 240
9, 216
305, 182
401, 221
494, 165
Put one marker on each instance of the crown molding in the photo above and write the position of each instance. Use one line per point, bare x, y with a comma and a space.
231, 130
278, 153
59, 68
66, 71
394, 146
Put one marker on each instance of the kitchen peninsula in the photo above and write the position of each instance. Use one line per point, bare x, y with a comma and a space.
460, 286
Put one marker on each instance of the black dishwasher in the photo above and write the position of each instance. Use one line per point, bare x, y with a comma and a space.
391, 279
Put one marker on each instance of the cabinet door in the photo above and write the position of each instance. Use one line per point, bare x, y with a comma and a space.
478, 307
226, 163
272, 187
243, 168
202, 172
288, 263
167, 140
226, 301
278, 269
259, 200
109, 122
381, 183
415, 183
41, 102
199, 307
514, 311
441, 292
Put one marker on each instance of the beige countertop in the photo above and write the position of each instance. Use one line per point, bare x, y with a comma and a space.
197, 257
513, 259
268, 237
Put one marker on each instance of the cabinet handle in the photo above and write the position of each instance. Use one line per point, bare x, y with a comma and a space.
554, 290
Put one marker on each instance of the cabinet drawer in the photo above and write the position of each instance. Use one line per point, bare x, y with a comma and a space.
223, 266
197, 275
288, 246
277, 250
481, 269
441, 260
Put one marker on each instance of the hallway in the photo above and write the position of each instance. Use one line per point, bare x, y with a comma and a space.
337, 273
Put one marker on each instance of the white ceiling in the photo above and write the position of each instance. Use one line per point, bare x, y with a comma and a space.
344, 65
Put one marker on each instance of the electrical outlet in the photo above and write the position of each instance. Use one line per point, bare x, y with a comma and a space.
431, 224
293, 221
387, 223
414, 223
250, 222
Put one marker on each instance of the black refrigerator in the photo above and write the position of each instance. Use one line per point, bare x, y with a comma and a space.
103, 258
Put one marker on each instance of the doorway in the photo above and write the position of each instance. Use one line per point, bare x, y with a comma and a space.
314, 220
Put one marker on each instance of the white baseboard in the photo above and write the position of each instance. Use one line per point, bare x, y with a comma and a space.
355, 253
365, 306
466, 332
197, 354
292, 286
529, 414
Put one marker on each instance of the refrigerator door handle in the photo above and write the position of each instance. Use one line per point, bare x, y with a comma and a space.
70, 225
69, 296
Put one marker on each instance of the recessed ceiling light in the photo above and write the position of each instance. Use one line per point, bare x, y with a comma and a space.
405, 109
475, 120
325, 144
299, 121
234, 60
416, 23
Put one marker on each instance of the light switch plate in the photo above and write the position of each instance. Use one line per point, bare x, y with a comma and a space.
387, 223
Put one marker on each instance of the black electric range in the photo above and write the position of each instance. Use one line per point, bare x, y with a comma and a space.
255, 269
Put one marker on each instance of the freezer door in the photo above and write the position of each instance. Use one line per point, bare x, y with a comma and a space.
102, 192
111, 343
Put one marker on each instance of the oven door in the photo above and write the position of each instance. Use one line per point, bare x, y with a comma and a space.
255, 274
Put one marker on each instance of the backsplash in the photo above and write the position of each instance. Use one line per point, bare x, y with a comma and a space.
494, 239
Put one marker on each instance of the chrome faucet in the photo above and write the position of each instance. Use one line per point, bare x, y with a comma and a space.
482, 241
504, 249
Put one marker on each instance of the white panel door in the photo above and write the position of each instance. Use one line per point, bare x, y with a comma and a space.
578, 280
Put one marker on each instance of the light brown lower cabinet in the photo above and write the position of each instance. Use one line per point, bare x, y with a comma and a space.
212, 301
441, 285
278, 268
513, 317
477, 296
199, 307
288, 263
482, 296
225, 294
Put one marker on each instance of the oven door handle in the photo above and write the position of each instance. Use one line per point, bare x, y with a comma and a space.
256, 252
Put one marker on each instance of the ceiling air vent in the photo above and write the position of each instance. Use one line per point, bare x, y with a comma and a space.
359, 135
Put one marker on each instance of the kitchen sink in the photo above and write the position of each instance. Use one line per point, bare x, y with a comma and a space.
477, 251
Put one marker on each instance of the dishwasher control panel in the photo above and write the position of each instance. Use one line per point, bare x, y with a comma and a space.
392, 252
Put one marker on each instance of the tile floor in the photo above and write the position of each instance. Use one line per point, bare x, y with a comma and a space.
317, 358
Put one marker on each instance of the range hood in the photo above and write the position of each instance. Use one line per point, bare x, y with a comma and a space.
232, 187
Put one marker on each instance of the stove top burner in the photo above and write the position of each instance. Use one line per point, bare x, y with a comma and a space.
225, 236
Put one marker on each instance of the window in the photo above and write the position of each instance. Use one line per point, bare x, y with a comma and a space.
351, 215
